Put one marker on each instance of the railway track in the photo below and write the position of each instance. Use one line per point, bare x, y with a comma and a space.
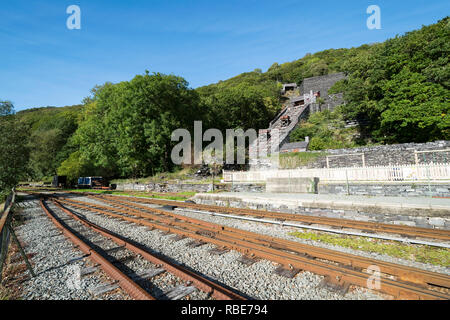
428, 233
340, 269
135, 283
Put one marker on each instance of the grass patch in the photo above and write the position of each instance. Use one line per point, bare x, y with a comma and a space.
183, 174
419, 253
169, 196
294, 160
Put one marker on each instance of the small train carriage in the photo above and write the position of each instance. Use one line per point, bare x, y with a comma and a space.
92, 183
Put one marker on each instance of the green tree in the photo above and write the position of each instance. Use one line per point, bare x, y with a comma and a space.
126, 127
14, 153
401, 86
75, 166
414, 109
49, 130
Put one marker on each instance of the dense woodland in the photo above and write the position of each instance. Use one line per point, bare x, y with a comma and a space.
399, 89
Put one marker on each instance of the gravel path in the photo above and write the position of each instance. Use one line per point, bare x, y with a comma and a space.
256, 281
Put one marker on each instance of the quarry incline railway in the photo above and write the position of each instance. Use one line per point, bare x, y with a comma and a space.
128, 282
339, 269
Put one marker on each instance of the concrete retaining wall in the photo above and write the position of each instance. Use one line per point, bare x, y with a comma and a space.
292, 185
414, 216
309, 186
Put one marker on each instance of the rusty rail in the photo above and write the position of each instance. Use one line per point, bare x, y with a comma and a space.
5, 234
217, 291
126, 283
410, 283
438, 234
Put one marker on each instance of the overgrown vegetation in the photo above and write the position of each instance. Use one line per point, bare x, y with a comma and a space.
180, 196
327, 130
298, 159
49, 130
401, 87
14, 152
178, 174
419, 253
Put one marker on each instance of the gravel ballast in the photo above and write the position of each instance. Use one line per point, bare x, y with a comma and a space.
257, 281
56, 262
278, 231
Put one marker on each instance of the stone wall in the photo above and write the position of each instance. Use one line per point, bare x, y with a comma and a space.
248, 187
384, 155
323, 84
302, 117
331, 102
368, 189
390, 190
172, 187
192, 187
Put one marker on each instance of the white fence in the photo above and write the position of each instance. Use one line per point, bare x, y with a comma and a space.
433, 172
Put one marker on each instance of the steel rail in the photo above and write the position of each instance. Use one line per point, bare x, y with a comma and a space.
439, 234
342, 273
408, 274
408, 231
126, 283
216, 290
303, 226
345, 273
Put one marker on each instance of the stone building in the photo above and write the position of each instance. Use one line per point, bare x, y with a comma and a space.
297, 109
301, 146
288, 87
320, 86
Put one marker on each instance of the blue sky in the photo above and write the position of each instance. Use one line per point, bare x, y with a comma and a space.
42, 63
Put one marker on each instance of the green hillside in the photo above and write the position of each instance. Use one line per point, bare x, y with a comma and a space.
48, 130
399, 88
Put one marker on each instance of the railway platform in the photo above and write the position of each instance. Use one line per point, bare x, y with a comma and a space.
414, 211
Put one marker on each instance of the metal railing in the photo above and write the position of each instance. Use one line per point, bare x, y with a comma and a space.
7, 232
432, 172
5, 235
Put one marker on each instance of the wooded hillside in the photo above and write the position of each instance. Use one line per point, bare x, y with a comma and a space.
400, 88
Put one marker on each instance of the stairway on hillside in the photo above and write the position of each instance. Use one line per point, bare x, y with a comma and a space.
263, 143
